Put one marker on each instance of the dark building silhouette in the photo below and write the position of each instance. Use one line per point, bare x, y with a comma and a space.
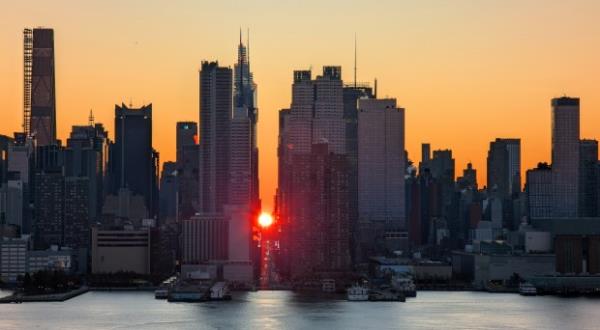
133, 161
503, 164
86, 158
538, 189
215, 116
588, 178
469, 178
329, 243
40, 94
351, 94
316, 117
187, 135
187, 169
168, 191
245, 99
49, 194
565, 156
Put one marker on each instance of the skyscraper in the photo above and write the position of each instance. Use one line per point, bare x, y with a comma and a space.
316, 117
352, 93
504, 167
133, 160
565, 156
539, 191
187, 135
588, 178
381, 168
39, 90
187, 178
49, 194
245, 97
215, 117
85, 157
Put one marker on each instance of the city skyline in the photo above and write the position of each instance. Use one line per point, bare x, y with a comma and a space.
502, 71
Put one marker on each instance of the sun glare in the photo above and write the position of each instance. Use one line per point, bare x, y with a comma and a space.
265, 220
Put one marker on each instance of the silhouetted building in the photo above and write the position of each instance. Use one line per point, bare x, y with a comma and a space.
351, 94
381, 170
565, 156
49, 194
469, 178
316, 117
40, 94
86, 157
187, 169
187, 135
215, 117
133, 161
539, 191
245, 104
168, 192
588, 178
77, 222
21, 166
504, 167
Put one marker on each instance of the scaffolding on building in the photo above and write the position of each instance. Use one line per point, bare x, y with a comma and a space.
27, 82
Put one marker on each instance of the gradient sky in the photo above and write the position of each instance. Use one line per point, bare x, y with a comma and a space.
466, 71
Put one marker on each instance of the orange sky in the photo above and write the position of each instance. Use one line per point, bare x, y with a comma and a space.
466, 71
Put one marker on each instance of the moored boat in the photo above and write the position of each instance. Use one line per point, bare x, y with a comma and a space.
357, 293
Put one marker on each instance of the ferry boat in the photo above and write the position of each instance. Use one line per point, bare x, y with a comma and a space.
527, 289
404, 285
357, 293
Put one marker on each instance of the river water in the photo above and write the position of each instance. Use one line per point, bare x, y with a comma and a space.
288, 310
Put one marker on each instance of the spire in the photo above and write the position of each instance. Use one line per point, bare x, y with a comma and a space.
248, 49
91, 118
354, 60
240, 83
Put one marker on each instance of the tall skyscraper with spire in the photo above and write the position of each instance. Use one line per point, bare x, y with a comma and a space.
244, 95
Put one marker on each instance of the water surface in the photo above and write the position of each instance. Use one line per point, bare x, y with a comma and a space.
287, 310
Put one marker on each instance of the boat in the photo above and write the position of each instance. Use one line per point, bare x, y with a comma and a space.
187, 296
357, 293
161, 293
404, 285
386, 295
527, 289
220, 291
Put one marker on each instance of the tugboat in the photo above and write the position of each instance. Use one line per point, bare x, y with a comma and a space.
527, 289
358, 293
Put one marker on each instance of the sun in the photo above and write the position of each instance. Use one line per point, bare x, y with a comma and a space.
265, 220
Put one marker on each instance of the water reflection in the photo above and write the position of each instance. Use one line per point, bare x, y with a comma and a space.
287, 310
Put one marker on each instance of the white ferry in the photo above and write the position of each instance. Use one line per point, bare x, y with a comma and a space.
358, 293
